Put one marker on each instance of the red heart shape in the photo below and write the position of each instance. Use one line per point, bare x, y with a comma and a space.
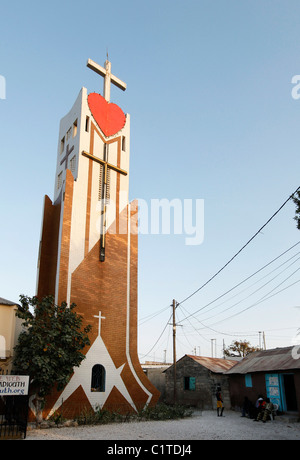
109, 117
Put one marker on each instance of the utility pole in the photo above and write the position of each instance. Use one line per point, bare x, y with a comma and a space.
212, 347
264, 339
174, 350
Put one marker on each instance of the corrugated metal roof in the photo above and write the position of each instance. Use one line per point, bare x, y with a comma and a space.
277, 359
6, 302
217, 365
155, 366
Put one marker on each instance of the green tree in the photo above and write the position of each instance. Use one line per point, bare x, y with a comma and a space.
50, 345
239, 348
296, 199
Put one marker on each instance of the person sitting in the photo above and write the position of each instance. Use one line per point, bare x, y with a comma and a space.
260, 407
266, 412
247, 409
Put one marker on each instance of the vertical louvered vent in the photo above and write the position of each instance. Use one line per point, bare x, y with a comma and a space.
101, 184
59, 180
73, 164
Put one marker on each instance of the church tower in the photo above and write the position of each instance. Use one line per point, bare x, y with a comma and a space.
89, 252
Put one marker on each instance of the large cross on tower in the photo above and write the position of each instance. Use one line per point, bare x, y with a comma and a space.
106, 166
108, 77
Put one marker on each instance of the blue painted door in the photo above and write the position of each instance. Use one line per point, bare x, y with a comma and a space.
273, 387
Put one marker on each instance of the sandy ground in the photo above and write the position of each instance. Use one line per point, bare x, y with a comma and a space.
200, 426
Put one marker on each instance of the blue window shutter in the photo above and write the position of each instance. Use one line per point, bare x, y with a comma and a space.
192, 383
248, 380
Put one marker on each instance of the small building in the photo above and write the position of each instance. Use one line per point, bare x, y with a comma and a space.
155, 373
271, 373
10, 328
197, 378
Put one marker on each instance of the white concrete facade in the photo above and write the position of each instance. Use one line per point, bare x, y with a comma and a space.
75, 135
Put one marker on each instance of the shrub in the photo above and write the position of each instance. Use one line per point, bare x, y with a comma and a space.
158, 412
164, 412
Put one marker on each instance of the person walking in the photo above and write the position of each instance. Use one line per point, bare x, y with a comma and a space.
220, 407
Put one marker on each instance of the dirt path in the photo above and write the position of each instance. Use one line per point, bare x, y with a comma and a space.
205, 426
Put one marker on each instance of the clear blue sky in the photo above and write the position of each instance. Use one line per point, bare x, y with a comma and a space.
212, 118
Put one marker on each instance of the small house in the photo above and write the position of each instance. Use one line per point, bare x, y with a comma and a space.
10, 328
197, 378
155, 373
271, 373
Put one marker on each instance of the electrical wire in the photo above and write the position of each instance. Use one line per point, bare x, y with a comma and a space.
246, 279
218, 272
245, 245
158, 337
243, 281
196, 330
254, 292
152, 315
263, 299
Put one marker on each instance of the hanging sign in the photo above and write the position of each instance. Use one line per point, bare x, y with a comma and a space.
14, 385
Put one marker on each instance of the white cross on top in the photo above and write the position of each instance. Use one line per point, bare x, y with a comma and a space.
108, 77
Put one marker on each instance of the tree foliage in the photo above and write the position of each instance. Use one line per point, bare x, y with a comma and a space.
296, 199
51, 344
240, 348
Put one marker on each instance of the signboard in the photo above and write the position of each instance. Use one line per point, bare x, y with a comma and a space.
14, 385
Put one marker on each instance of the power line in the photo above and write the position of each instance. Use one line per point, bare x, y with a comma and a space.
239, 284
258, 289
146, 354
221, 269
149, 317
248, 242
152, 315
243, 281
263, 299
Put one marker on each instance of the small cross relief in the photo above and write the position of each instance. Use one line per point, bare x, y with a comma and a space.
65, 158
99, 325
